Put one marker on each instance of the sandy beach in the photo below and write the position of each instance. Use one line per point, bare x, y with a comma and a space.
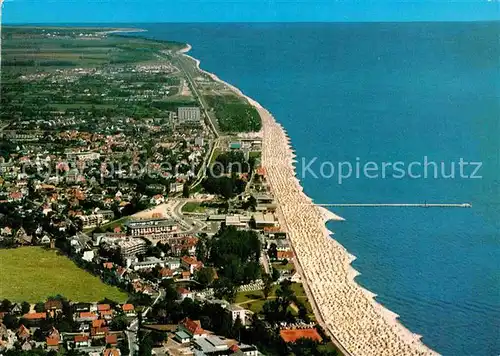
355, 321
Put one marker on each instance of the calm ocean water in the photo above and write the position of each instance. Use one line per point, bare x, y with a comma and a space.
386, 93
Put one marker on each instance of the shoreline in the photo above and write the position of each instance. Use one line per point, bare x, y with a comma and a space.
349, 313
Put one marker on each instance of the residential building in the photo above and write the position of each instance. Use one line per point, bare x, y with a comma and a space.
148, 263
188, 114
265, 220
211, 345
81, 341
237, 312
96, 219
191, 264
156, 228
132, 247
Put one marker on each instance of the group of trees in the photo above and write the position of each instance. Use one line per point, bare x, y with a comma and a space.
234, 253
233, 114
222, 176
227, 187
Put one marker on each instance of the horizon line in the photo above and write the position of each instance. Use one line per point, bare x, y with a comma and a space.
243, 22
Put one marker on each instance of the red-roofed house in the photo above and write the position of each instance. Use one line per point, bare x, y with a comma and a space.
87, 316
111, 339
82, 341
106, 314
99, 332
52, 343
98, 323
166, 273
128, 309
184, 293
285, 255
191, 264
35, 316
111, 352
193, 327
23, 332
53, 339
103, 307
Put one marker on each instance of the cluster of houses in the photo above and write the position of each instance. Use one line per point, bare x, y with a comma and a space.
92, 334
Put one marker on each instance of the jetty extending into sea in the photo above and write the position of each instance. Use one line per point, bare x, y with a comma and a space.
379, 205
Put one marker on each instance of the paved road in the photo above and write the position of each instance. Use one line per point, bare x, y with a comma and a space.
132, 330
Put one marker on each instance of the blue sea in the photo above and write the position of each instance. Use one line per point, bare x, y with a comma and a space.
388, 92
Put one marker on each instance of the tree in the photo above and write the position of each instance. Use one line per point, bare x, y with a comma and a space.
39, 307
235, 253
224, 289
273, 251
119, 323
237, 329
145, 344
205, 276
25, 307
285, 294
201, 250
10, 321
185, 190
6, 305
251, 203
275, 274
158, 337
268, 285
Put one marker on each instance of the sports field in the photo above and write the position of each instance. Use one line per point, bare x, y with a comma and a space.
32, 274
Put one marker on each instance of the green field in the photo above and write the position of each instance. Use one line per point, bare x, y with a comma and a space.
32, 274
193, 207
281, 267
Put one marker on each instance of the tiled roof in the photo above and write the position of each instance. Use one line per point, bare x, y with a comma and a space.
34, 316
103, 307
81, 338
111, 339
111, 352
127, 307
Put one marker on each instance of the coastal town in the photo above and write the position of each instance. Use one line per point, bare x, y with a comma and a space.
125, 166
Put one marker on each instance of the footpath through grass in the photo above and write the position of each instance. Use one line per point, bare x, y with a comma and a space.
32, 274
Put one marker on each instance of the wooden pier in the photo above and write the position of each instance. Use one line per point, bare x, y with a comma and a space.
424, 205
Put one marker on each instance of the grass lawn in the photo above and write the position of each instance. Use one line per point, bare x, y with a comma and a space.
32, 274
192, 207
281, 267
256, 154
116, 223
215, 154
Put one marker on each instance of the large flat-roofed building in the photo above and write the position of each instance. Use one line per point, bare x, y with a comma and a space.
189, 114
131, 247
264, 220
211, 345
152, 262
156, 229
